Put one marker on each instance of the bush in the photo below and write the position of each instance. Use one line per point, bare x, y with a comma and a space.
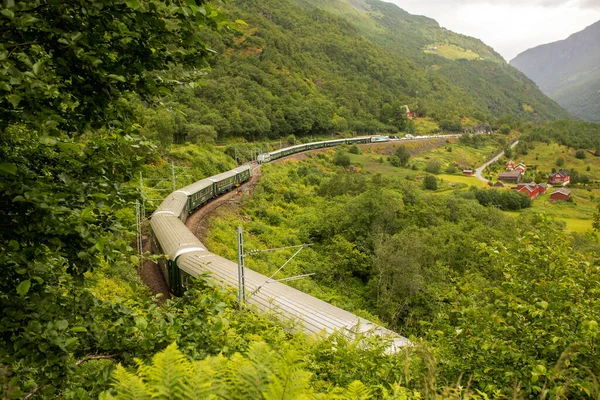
451, 169
434, 166
341, 159
354, 149
395, 161
560, 161
403, 155
504, 129
430, 183
510, 200
580, 154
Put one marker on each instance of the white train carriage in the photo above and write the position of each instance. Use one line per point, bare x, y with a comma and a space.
175, 204
302, 311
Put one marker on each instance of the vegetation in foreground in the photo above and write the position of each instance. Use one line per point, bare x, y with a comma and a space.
506, 305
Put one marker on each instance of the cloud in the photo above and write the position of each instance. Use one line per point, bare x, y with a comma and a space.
582, 4
509, 26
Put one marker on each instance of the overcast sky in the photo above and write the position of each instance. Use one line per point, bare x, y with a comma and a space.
509, 26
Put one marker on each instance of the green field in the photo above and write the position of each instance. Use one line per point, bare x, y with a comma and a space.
462, 156
452, 52
544, 157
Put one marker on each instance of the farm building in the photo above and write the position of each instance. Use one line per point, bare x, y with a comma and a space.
532, 189
562, 177
521, 167
510, 177
467, 172
510, 165
560, 195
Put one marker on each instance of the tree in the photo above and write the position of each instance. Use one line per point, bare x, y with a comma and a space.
341, 158
67, 155
580, 154
504, 129
403, 154
596, 221
430, 182
434, 166
560, 162
65, 63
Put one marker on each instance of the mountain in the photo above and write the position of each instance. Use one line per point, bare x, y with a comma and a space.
314, 67
568, 71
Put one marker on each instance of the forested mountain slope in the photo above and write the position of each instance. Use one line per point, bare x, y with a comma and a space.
320, 67
568, 71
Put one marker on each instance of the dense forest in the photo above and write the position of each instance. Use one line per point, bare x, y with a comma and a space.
93, 93
328, 68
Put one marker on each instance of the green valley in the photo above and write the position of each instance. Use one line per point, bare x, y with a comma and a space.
110, 108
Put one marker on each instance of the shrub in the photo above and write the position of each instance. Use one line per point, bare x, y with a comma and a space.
434, 166
403, 155
580, 154
354, 149
430, 183
395, 161
560, 161
451, 169
341, 159
504, 129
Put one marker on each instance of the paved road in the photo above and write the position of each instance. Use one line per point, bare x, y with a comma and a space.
479, 170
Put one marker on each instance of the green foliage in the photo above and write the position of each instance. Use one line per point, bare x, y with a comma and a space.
403, 155
451, 125
510, 200
59, 70
560, 162
354, 149
434, 166
524, 316
341, 158
430, 182
504, 129
575, 134
580, 154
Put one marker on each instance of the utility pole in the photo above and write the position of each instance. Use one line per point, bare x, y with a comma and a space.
241, 256
173, 175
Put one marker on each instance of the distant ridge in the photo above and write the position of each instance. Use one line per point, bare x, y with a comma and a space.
568, 71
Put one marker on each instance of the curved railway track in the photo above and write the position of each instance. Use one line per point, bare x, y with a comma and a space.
188, 257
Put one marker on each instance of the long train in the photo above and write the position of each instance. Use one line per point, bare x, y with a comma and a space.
188, 257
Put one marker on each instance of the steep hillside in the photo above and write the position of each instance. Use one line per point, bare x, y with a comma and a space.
316, 68
568, 71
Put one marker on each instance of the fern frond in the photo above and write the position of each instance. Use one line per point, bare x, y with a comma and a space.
168, 375
129, 386
357, 391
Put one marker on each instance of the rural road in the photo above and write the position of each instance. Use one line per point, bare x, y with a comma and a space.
479, 170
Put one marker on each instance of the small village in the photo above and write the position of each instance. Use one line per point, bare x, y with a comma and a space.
558, 179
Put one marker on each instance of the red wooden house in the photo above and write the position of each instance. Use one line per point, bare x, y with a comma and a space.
561, 194
510, 165
521, 167
562, 177
531, 190
468, 172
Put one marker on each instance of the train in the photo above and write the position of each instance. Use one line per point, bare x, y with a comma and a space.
187, 257
274, 155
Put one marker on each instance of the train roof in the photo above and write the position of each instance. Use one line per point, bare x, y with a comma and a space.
173, 204
174, 237
242, 169
195, 187
313, 315
221, 176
